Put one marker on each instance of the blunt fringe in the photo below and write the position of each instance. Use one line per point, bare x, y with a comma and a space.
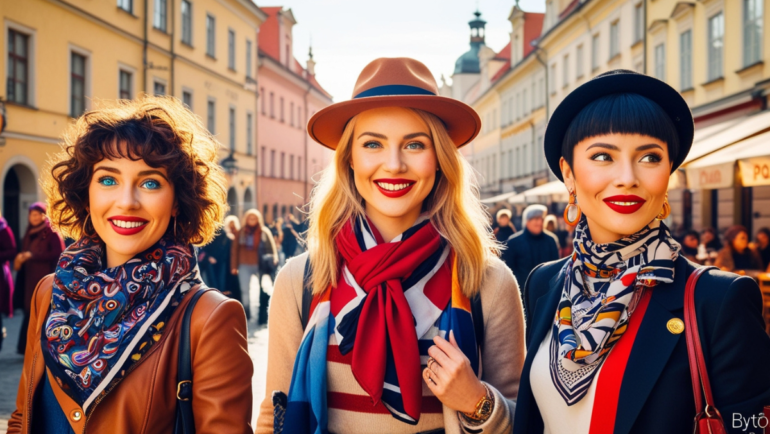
622, 113
158, 130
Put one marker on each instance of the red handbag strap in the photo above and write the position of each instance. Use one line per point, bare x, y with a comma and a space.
700, 380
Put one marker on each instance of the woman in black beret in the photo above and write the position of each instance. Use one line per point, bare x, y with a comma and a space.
606, 327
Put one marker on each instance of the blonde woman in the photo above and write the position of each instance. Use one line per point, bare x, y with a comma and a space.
400, 250
251, 246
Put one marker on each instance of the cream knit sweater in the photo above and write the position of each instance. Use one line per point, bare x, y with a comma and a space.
502, 359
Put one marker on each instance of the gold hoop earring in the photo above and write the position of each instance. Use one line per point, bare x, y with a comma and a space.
572, 212
665, 211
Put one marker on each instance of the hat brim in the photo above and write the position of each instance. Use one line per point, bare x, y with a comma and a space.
651, 88
462, 123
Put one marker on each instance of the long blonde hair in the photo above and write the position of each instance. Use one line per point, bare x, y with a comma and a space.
453, 205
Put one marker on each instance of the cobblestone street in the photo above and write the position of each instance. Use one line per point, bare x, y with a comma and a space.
11, 364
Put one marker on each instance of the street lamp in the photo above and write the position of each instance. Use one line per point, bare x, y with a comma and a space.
230, 164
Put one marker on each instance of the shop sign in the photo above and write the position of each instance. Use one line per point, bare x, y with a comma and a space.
755, 171
711, 177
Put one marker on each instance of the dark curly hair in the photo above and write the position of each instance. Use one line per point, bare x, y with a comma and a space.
161, 132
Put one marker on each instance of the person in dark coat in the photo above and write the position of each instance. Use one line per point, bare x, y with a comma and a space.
7, 253
216, 257
290, 236
532, 246
40, 250
505, 228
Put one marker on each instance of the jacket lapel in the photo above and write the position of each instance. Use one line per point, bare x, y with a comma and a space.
652, 348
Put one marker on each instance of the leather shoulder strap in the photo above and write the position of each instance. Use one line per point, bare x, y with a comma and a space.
185, 424
307, 294
694, 349
477, 312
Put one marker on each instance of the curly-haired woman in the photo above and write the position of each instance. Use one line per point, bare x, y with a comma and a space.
400, 249
136, 185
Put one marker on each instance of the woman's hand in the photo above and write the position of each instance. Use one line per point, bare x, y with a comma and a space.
451, 378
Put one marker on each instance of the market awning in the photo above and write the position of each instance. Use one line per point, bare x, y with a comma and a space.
547, 189
715, 137
499, 197
717, 170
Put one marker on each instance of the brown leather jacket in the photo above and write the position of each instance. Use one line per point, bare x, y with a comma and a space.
145, 400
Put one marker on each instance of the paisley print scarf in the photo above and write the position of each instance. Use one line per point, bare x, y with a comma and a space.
590, 321
102, 320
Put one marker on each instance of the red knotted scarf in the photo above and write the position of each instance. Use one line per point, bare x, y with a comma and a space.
386, 318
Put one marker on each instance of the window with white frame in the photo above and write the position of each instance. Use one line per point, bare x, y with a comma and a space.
685, 60
524, 100
231, 49
552, 80
291, 113
78, 70
614, 39
186, 22
158, 88
231, 124
248, 59
565, 71
579, 61
516, 107
124, 84
18, 73
211, 25
187, 98
211, 107
595, 41
159, 15
249, 134
638, 22
752, 31
126, 5
716, 31
660, 61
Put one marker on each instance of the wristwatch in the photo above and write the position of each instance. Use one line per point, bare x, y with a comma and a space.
483, 408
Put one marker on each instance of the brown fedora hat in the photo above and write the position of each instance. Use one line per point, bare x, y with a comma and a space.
395, 82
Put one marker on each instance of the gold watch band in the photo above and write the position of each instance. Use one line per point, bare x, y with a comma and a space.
484, 408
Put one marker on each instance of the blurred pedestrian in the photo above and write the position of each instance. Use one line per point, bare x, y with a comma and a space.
531, 246
136, 185
7, 253
691, 246
710, 240
736, 256
39, 253
276, 228
245, 257
762, 247
505, 228
215, 259
550, 227
290, 236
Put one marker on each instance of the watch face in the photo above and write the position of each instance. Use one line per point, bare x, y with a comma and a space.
486, 407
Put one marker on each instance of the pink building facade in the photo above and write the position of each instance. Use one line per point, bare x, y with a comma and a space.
288, 160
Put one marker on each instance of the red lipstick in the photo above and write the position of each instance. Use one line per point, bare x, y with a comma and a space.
129, 219
394, 181
625, 204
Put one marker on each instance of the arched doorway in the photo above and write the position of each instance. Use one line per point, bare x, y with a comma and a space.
19, 192
232, 201
248, 200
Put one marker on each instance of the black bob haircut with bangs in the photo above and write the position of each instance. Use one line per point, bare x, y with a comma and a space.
621, 113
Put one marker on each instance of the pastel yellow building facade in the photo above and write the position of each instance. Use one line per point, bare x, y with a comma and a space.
64, 57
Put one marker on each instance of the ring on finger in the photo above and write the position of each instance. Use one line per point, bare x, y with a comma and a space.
431, 360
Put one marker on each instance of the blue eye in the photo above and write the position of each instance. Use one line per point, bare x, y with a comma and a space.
151, 184
371, 145
107, 181
415, 145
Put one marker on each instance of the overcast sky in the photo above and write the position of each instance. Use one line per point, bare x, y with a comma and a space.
348, 34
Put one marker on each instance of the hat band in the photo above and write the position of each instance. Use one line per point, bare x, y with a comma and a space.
392, 90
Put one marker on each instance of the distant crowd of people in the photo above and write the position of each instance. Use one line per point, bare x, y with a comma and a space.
250, 248
542, 240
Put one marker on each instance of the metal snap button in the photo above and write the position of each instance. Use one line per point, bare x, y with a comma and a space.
77, 415
675, 326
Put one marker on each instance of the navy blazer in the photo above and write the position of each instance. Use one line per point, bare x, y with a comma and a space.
656, 392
